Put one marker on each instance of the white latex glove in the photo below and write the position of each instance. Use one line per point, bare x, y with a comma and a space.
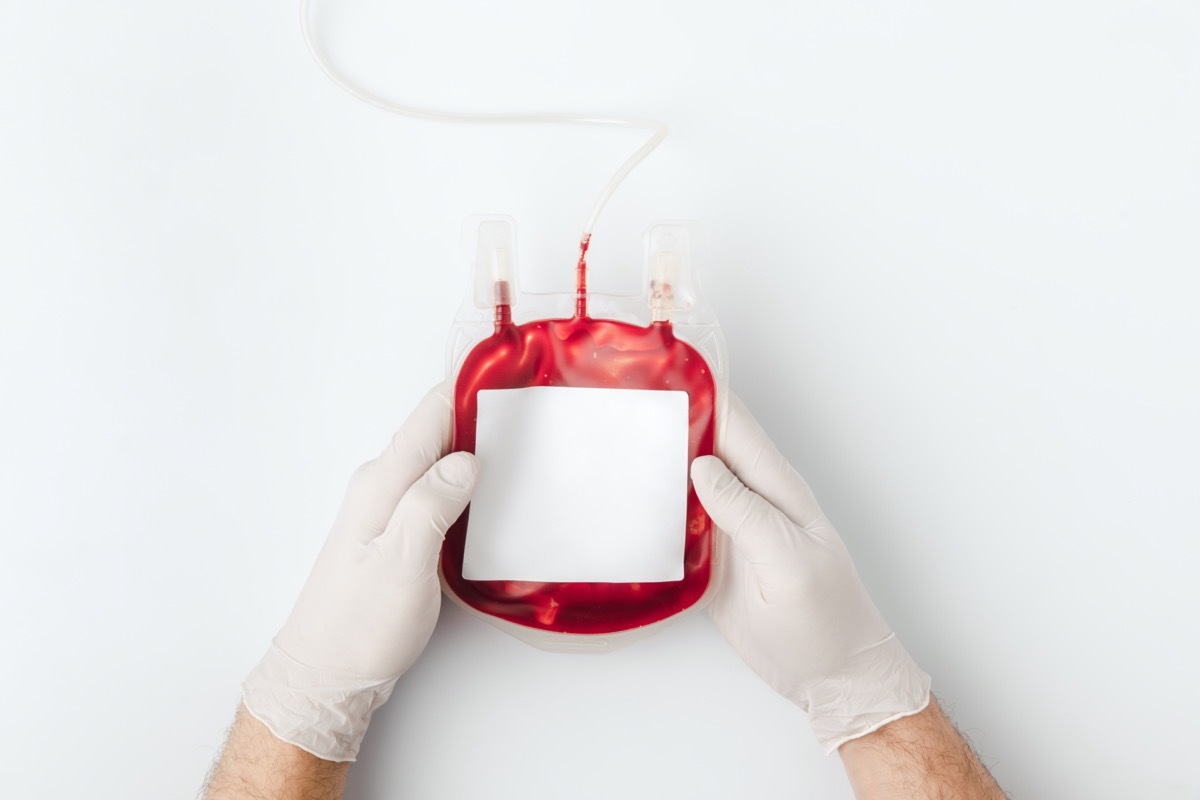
791, 602
372, 599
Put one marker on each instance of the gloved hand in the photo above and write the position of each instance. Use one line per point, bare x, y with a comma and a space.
791, 602
372, 599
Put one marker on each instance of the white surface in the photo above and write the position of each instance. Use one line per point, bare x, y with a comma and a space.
954, 252
579, 485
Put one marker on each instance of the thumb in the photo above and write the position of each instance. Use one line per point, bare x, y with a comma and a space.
760, 532
414, 534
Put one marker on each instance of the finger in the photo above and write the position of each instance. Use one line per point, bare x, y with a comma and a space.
422, 439
759, 531
378, 485
753, 457
414, 534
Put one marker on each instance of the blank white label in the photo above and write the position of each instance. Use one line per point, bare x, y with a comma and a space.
579, 485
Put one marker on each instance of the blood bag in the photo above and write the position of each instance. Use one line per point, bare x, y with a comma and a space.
664, 340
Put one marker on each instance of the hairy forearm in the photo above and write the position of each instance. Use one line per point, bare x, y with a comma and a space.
921, 756
255, 765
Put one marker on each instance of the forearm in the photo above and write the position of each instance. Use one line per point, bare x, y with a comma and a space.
920, 756
254, 765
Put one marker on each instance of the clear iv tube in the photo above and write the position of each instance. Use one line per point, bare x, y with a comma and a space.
658, 130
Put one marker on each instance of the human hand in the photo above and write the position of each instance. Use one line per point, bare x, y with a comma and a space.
372, 599
790, 600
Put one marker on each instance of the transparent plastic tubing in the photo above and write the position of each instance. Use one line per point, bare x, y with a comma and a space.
658, 130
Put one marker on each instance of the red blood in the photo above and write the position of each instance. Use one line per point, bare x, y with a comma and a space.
594, 353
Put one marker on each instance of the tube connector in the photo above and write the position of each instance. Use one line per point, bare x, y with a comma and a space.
668, 270
662, 282
494, 267
501, 272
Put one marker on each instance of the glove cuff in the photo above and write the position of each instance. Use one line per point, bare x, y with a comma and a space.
323, 714
880, 685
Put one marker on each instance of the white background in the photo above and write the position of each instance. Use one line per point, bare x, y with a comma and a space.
953, 247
